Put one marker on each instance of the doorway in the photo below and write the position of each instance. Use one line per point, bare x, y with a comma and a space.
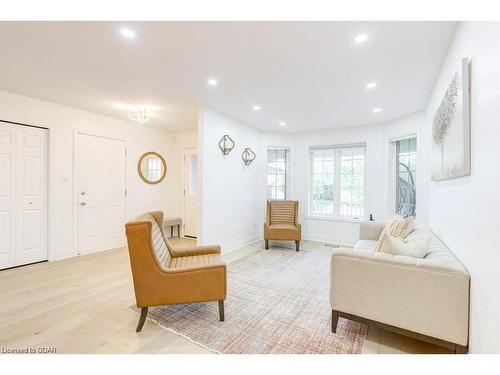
191, 193
101, 182
23, 194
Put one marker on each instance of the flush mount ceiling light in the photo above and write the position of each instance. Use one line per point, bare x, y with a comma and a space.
361, 38
256, 108
140, 115
212, 82
282, 123
226, 144
247, 156
371, 85
127, 33
377, 110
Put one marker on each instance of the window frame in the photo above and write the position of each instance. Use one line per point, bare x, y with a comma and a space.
337, 149
394, 169
287, 169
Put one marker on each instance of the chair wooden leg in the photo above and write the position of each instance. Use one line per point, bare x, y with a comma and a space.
459, 349
335, 320
221, 310
142, 319
297, 245
267, 244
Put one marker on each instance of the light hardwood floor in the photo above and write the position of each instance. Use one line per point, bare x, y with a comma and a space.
79, 305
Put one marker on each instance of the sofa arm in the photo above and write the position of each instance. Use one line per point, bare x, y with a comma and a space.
428, 300
370, 230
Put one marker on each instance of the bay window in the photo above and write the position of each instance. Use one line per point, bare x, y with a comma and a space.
337, 181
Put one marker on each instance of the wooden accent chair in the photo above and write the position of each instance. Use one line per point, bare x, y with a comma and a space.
166, 276
282, 222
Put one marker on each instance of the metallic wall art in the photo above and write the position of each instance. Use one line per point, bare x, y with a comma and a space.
248, 156
226, 144
451, 128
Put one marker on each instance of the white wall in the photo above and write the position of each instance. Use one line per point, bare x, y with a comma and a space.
228, 183
62, 121
229, 199
377, 165
463, 211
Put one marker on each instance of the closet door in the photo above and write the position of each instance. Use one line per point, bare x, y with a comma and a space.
32, 192
23, 195
7, 194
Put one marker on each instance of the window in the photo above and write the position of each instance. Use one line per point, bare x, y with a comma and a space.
337, 182
406, 177
277, 173
154, 168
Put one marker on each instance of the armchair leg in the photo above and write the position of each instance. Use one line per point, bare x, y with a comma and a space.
142, 319
297, 245
221, 310
335, 320
267, 244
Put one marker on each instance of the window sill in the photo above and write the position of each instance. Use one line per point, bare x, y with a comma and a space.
335, 218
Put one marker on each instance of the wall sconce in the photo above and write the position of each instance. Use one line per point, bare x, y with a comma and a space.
248, 156
226, 144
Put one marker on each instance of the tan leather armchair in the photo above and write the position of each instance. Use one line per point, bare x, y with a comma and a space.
282, 222
166, 276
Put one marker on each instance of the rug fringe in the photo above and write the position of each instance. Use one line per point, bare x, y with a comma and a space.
175, 332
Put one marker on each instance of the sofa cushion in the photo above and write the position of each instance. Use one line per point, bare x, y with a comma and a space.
197, 261
438, 253
365, 245
283, 226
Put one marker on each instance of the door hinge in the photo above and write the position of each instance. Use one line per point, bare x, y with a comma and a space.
125, 152
125, 192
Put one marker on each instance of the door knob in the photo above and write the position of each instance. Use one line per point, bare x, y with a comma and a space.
83, 203
82, 193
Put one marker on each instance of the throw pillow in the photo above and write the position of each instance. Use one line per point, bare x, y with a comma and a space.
416, 248
397, 227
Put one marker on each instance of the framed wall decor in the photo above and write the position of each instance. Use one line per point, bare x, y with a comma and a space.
451, 142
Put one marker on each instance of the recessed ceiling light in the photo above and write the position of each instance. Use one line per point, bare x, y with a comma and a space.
377, 110
361, 38
256, 108
282, 123
371, 85
127, 33
212, 82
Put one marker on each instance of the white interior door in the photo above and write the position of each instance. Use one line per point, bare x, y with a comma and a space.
101, 193
23, 195
190, 193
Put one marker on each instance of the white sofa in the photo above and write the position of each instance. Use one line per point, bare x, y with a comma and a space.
427, 298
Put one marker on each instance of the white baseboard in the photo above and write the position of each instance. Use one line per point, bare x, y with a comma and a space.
327, 239
240, 244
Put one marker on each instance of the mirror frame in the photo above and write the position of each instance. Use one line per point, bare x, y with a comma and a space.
140, 171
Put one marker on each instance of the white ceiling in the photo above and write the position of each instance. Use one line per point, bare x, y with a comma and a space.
309, 74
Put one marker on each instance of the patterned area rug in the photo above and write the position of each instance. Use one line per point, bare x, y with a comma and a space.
277, 303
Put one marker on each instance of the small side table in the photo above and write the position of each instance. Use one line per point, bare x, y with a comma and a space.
172, 222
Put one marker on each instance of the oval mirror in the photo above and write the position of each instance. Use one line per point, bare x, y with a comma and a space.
152, 167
